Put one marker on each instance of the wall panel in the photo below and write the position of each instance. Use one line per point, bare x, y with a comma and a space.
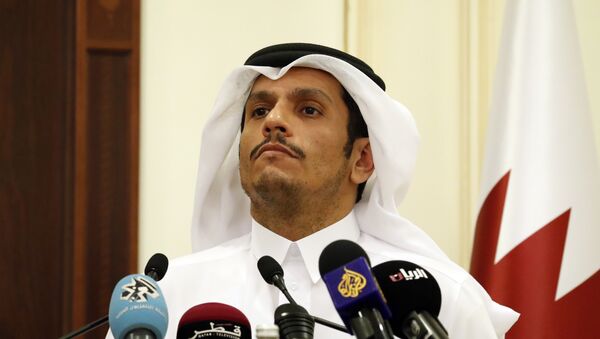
68, 160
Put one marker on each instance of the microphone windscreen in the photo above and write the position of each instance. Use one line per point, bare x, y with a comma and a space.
268, 268
294, 322
137, 303
339, 253
214, 320
158, 264
407, 287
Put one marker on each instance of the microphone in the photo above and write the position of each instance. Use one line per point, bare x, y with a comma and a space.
414, 297
213, 320
294, 322
155, 268
272, 273
346, 271
138, 309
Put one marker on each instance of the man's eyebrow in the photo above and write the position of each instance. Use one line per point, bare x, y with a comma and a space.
307, 93
260, 96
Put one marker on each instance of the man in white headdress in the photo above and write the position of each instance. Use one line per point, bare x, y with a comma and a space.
288, 180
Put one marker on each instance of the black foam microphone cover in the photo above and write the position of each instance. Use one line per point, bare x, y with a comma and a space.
157, 266
407, 287
269, 268
339, 253
294, 322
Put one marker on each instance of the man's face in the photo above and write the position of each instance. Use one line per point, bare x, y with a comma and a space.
292, 144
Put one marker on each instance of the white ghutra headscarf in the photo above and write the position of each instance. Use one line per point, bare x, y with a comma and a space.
222, 209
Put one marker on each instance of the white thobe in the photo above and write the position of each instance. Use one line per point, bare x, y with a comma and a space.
228, 274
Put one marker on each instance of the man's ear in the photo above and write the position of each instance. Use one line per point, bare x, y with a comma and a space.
362, 161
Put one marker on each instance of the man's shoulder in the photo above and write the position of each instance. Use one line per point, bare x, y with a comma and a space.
381, 251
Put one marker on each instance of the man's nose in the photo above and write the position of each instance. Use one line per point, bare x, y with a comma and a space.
277, 120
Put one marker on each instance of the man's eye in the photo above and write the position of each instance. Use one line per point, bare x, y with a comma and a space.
259, 112
310, 110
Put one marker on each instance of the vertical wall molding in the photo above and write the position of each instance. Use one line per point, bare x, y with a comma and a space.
356, 27
107, 40
479, 41
468, 115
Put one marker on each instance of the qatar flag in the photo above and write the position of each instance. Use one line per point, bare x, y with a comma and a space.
537, 241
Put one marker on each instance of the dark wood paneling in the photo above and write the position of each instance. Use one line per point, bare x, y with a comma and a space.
69, 125
36, 40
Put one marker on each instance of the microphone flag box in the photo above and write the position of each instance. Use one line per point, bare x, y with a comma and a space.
137, 302
352, 288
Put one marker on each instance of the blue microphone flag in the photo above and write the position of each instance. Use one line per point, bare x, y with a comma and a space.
352, 288
137, 302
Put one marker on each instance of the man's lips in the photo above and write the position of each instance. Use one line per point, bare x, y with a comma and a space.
275, 148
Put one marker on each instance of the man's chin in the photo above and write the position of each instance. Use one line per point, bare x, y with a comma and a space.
271, 188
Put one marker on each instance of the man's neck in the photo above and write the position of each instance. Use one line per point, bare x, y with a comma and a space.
302, 222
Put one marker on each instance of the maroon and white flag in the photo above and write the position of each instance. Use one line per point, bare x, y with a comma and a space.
537, 241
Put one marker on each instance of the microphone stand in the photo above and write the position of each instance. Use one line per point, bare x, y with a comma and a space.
369, 324
86, 328
278, 282
423, 325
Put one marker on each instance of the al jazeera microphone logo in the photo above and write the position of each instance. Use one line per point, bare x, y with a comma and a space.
352, 284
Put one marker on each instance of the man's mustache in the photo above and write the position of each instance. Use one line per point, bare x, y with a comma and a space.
281, 140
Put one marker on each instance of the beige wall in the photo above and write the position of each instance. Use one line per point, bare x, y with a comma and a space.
437, 57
